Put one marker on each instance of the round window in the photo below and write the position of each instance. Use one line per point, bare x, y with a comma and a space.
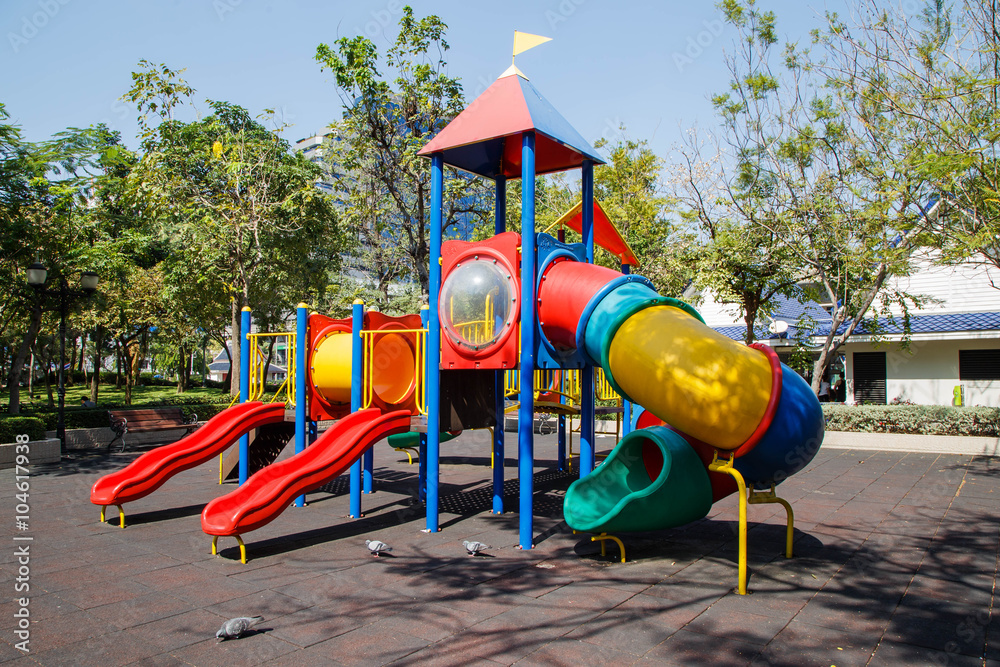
477, 303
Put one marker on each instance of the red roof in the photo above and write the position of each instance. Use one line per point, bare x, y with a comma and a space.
485, 139
606, 235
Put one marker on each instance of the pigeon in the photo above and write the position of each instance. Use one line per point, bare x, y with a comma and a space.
474, 547
377, 547
235, 627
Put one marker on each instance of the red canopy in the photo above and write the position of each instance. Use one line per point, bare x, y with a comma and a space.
605, 233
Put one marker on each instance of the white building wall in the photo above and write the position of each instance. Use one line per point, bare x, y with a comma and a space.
966, 288
927, 374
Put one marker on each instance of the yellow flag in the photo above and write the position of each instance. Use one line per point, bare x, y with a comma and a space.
525, 40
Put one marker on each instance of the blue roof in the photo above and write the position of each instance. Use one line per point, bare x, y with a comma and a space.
937, 323
919, 324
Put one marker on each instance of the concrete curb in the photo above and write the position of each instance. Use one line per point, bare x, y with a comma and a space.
39, 451
900, 442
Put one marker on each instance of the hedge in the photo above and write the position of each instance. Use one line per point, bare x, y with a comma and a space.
913, 419
11, 427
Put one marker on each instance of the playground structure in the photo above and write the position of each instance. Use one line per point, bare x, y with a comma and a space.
716, 417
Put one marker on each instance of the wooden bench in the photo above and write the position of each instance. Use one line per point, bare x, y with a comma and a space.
146, 420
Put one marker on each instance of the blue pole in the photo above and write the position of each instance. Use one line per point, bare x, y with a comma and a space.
626, 404
244, 389
561, 431
434, 344
499, 227
526, 411
357, 380
301, 334
587, 440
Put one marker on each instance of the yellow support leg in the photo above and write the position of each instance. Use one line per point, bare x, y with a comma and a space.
243, 550
726, 466
492, 440
770, 497
603, 537
243, 547
121, 517
406, 451
102, 513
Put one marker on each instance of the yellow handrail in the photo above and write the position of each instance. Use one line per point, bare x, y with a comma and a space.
258, 372
420, 371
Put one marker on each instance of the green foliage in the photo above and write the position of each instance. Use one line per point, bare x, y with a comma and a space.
913, 419
394, 104
13, 426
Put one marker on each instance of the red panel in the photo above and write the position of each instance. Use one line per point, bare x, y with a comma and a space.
503, 355
605, 235
377, 321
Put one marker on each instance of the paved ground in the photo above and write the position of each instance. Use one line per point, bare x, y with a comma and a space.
896, 564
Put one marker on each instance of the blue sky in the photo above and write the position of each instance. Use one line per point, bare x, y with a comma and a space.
649, 65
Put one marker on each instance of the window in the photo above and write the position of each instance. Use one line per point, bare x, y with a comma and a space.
979, 365
869, 377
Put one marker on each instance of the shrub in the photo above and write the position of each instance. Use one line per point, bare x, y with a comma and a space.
13, 426
913, 419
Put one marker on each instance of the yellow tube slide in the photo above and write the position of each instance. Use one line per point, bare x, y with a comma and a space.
694, 378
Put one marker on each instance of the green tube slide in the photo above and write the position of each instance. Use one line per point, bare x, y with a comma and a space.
653, 479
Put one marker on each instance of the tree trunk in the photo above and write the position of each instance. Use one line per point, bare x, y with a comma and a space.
83, 354
95, 379
118, 365
14, 377
234, 346
46, 362
68, 377
182, 366
270, 355
130, 359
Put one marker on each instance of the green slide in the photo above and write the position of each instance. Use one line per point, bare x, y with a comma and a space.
653, 479
411, 439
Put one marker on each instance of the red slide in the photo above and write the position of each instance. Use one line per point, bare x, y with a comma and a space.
266, 494
148, 472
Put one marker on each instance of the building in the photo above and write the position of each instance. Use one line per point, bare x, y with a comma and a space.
218, 370
953, 353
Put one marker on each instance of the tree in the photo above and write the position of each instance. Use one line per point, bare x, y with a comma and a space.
245, 222
42, 197
383, 185
936, 74
742, 263
820, 166
631, 192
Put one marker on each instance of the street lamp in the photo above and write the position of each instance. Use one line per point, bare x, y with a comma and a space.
37, 273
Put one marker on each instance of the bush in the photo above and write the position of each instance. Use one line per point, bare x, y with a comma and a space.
913, 419
13, 426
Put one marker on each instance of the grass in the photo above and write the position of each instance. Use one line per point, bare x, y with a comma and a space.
146, 395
